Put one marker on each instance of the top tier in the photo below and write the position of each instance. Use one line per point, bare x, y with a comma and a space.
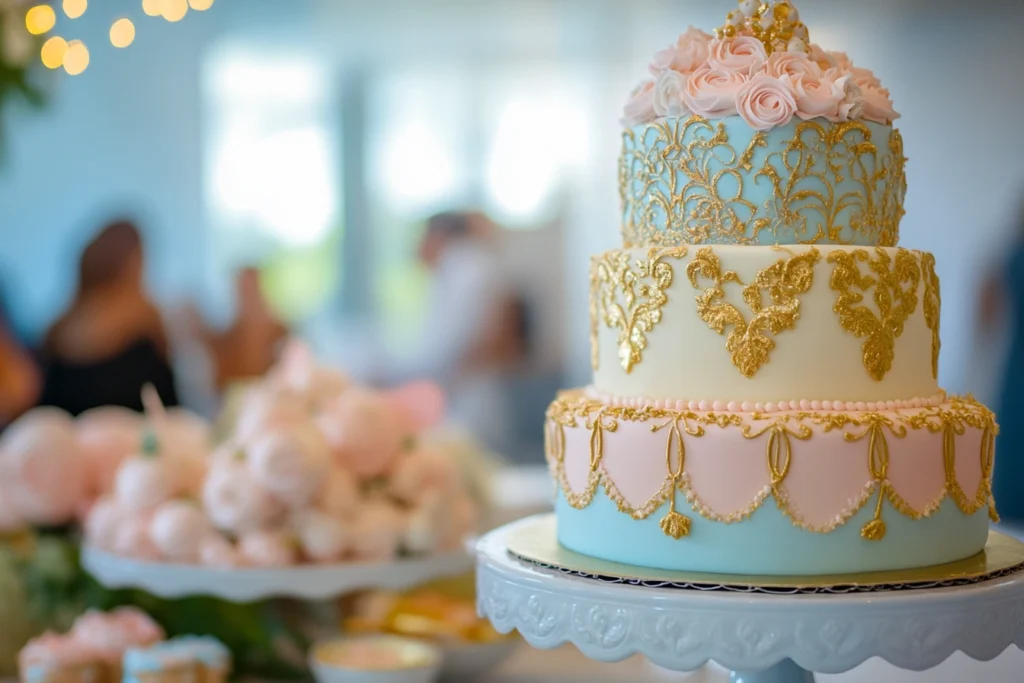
758, 136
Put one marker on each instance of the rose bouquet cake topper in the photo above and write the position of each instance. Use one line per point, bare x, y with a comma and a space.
762, 66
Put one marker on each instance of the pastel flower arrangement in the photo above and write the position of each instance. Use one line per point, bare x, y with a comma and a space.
735, 75
315, 470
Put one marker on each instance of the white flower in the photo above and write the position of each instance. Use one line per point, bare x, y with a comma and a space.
668, 94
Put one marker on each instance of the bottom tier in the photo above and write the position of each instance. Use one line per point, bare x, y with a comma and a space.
851, 491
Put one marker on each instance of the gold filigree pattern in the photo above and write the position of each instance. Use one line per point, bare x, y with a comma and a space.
629, 299
932, 301
684, 181
894, 282
875, 429
750, 342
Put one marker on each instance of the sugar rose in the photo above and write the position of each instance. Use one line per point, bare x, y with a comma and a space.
689, 52
817, 96
742, 54
876, 105
640, 106
782, 64
765, 102
668, 94
711, 91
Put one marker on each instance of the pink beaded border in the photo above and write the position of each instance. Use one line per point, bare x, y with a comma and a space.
758, 407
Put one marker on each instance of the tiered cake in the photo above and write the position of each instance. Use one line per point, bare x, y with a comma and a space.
765, 357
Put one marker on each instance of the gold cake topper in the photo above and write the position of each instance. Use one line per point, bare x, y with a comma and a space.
776, 23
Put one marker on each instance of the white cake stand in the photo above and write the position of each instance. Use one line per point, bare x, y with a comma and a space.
312, 582
761, 638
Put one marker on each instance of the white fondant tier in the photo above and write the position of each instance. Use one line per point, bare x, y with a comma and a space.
739, 324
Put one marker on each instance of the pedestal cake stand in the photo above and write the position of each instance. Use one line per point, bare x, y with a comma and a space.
765, 629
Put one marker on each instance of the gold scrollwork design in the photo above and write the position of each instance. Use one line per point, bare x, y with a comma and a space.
572, 410
894, 282
682, 181
643, 295
932, 303
750, 342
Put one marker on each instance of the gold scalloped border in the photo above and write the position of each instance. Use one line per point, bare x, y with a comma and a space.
573, 409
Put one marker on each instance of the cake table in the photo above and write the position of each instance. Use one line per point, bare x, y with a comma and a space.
776, 635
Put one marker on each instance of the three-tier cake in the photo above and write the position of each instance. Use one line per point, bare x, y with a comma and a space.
765, 396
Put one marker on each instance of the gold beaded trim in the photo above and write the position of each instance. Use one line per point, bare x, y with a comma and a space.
932, 301
682, 181
572, 409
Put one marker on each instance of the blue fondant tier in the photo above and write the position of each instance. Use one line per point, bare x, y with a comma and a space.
768, 543
695, 181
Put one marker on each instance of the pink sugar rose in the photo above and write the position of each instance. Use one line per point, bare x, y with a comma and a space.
267, 548
640, 106
323, 538
46, 480
823, 58
264, 409
711, 91
218, 552
234, 501
782, 64
52, 649
132, 538
366, 431
765, 102
377, 531
103, 521
177, 529
107, 437
818, 96
424, 473
340, 494
290, 463
668, 94
144, 481
742, 54
851, 106
689, 52
110, 634
876, 105
865, 78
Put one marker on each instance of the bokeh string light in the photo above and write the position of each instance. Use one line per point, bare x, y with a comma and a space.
53, 52
75, 8
76, 59
40, 19
152, 8
122, 33
200, 5
173, 10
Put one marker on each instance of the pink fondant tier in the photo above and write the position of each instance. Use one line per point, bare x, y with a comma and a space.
821, 467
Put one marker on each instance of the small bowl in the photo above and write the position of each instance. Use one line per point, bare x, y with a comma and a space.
375, 659
470, 661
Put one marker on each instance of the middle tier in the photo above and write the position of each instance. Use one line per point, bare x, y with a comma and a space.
765, 324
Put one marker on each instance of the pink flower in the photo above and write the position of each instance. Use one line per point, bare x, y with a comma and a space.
823, 58
53, 650
377, 531
132, 538
837, 59
340, 495
103, 521
668, 94
689, 52
110, 634
742, 54
865, 77
711, 91
365, 430
106, 437
177, 529
235, 501
765, 102
263, 409
876, 105
267, 548
851, 106
782, 64
424, 473
44, 476
218, 552
298, 373
145, 481
323, 538
640, 106
290, 463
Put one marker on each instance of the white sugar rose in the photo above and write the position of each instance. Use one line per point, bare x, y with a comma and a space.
765, 102
782, 64
668, 94
235, 501
689, 52
640, 107
852, 104
711, 91
291, 463
742, 54
177, 529
876, 105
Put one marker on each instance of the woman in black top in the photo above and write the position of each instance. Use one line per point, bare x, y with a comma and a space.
111, 340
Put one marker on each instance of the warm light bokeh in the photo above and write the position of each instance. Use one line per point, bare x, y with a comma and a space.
173, 10
152, 8
122, 33
40, 19
75, 8
200, 5
53, 52
76, 59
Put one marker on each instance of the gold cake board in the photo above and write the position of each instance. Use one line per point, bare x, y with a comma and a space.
535, 541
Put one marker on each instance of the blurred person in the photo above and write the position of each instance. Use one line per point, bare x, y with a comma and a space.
1002, 303
250, 345
471, 324
19, 378
111, 340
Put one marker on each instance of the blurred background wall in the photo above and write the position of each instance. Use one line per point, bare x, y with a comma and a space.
312, 137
